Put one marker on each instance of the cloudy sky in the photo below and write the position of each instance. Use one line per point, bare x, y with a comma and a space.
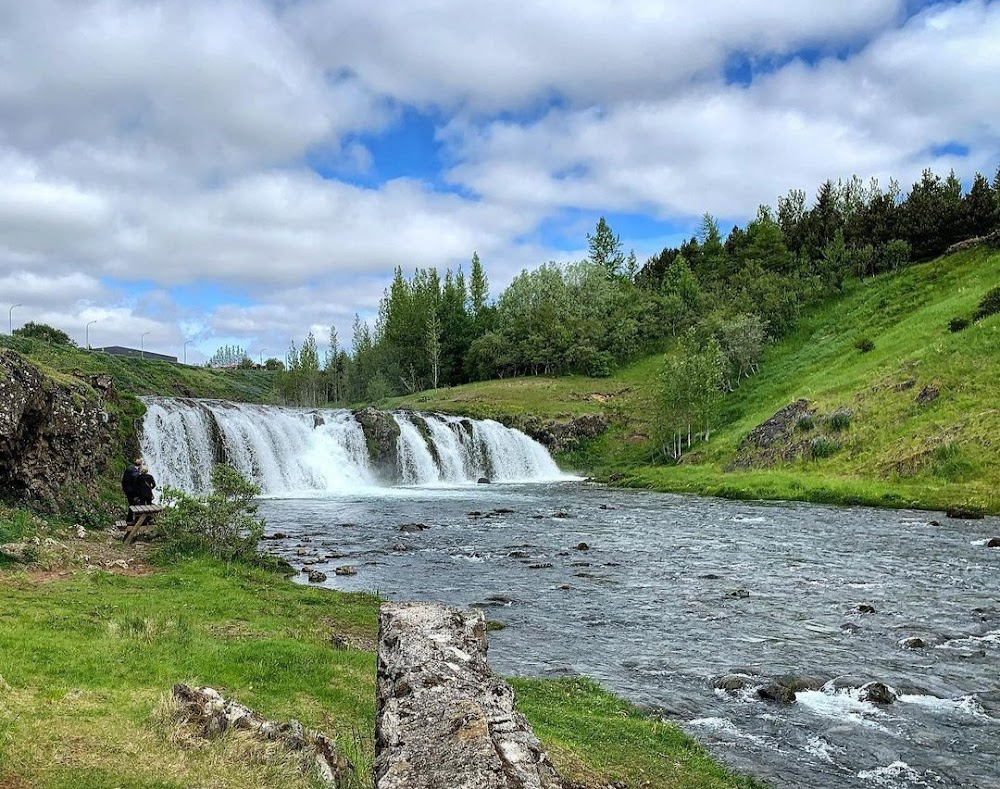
246, 171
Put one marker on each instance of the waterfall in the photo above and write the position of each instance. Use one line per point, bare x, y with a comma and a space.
308, 452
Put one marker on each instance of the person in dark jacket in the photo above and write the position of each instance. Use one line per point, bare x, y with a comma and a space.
130, 486
144, 485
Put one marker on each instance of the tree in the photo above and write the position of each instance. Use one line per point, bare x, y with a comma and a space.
434, 346
45, 333
229, 356
980, 208
690, 383
606, 249
479, 287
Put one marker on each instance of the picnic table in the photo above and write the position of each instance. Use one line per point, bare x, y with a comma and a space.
141, 518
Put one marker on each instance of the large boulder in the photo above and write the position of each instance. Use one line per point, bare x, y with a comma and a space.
54, 434
555, 434
443, 719
382, 437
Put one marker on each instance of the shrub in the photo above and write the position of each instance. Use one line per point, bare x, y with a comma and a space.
840, 420
805, 423
990, 304
957, 324
45, 333
223, 524
822, 447
864, 345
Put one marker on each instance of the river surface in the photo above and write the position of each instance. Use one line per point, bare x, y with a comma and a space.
672, 592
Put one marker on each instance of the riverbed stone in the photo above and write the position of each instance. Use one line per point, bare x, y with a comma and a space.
346, 569
993, 542
876, 693
864, 608
775, 691
913, 642
316, 577
732, 682
443, 718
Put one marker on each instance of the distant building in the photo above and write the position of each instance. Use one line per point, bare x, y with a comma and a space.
117, 350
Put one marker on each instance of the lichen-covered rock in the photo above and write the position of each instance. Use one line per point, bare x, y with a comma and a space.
774, 440
444, 720
52, 434
381, 436
206, 710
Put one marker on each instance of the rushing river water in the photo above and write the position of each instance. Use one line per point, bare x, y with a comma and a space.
672, 592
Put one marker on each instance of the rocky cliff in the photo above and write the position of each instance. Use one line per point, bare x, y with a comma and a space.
55, 433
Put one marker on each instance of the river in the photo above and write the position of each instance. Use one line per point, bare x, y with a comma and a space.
672, 592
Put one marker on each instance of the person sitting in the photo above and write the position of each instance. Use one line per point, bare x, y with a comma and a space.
144, 485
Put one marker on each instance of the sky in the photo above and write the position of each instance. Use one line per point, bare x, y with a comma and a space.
246, 171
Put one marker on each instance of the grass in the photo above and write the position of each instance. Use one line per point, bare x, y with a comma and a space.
86, 663
889, 447
145, 376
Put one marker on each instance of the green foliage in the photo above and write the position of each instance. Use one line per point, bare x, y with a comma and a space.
865, 345
989, 305
45, 333
958, 324
949, 462
823, 447
230, 357
606, 250
840, 420
805, 423
223, 524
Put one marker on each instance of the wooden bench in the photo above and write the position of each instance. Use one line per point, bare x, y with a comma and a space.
142, 517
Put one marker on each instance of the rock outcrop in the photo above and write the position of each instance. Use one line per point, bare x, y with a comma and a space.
381, 434
53, 434
557, 435
444, 720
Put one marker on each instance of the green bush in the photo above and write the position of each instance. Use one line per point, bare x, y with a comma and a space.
990, 304
840, 420
805, 423
223, 524
822, 447
45, 333
957, 324
865, 345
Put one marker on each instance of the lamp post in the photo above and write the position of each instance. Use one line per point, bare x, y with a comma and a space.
89, 324
186, 344
142, 345
262, 356
10, 318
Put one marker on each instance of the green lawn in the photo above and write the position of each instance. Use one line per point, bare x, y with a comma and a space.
86, 663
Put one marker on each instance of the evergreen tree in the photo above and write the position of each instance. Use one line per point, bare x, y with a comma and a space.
479, 287
606, 249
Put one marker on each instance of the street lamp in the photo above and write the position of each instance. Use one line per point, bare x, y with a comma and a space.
142, 345
186, 344
262, 356
10, 318
89, 324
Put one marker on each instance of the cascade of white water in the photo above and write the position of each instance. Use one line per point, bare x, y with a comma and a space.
514, 456
294, 451
416, 462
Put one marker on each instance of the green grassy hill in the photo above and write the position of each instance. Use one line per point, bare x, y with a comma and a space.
146, 376
924, 403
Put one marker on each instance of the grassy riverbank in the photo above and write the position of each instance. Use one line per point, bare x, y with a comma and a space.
924, 412
87, 659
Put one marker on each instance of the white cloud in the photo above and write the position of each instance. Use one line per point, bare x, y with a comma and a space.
161, 144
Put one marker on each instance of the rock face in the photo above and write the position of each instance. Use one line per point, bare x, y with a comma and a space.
558, 435
51, 434
774, 440
444, 720
381, 434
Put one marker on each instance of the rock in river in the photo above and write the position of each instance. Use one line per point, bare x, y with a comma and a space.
876, 693
316, 577
775, 691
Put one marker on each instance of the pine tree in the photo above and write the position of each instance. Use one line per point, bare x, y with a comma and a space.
606, 249
479, 287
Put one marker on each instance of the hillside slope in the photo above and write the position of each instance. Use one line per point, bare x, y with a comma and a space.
922, 408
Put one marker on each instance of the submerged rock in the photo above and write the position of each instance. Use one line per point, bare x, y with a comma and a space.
775, 691
739, 594
732, 682
993, 542
346, 569
864, 608
483, 480
913, 643
876, 693
581, 546
965, 513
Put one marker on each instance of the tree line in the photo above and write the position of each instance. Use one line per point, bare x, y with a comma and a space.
716, 300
